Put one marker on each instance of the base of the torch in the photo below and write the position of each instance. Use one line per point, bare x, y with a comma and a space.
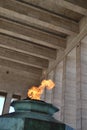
31, 105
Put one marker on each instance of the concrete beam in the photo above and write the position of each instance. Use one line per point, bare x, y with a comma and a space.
23, 58
18, 66
27, 47
75, 6
30, 34
81, 3
37, 17
78, 6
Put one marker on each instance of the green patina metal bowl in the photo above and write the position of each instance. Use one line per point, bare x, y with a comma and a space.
34, 106
32, 115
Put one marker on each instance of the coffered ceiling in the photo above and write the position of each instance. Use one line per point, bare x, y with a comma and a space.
32, 32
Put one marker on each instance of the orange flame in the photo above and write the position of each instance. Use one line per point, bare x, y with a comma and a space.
35, 92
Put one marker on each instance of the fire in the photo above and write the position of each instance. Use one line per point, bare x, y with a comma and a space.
35, 92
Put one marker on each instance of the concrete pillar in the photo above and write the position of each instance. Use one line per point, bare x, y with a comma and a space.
84, 84
7, 103
57, 97
63, 90
78, 89
70, 91
49, 93
44, 76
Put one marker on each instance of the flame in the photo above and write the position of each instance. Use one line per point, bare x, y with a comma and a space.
35, 92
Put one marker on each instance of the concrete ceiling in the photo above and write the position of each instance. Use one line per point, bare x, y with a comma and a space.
32, 32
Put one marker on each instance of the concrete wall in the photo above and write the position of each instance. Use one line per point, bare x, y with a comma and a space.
84, 85
14, 82
70, 92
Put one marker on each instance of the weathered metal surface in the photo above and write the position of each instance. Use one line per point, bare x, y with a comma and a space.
31, 115
11, 123
35, 106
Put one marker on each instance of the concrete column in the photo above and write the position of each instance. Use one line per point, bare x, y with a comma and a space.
84, 84
63, 90
7, 103
57, 97
78, 89
49, 93
44, 76
43, 95
70, 91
